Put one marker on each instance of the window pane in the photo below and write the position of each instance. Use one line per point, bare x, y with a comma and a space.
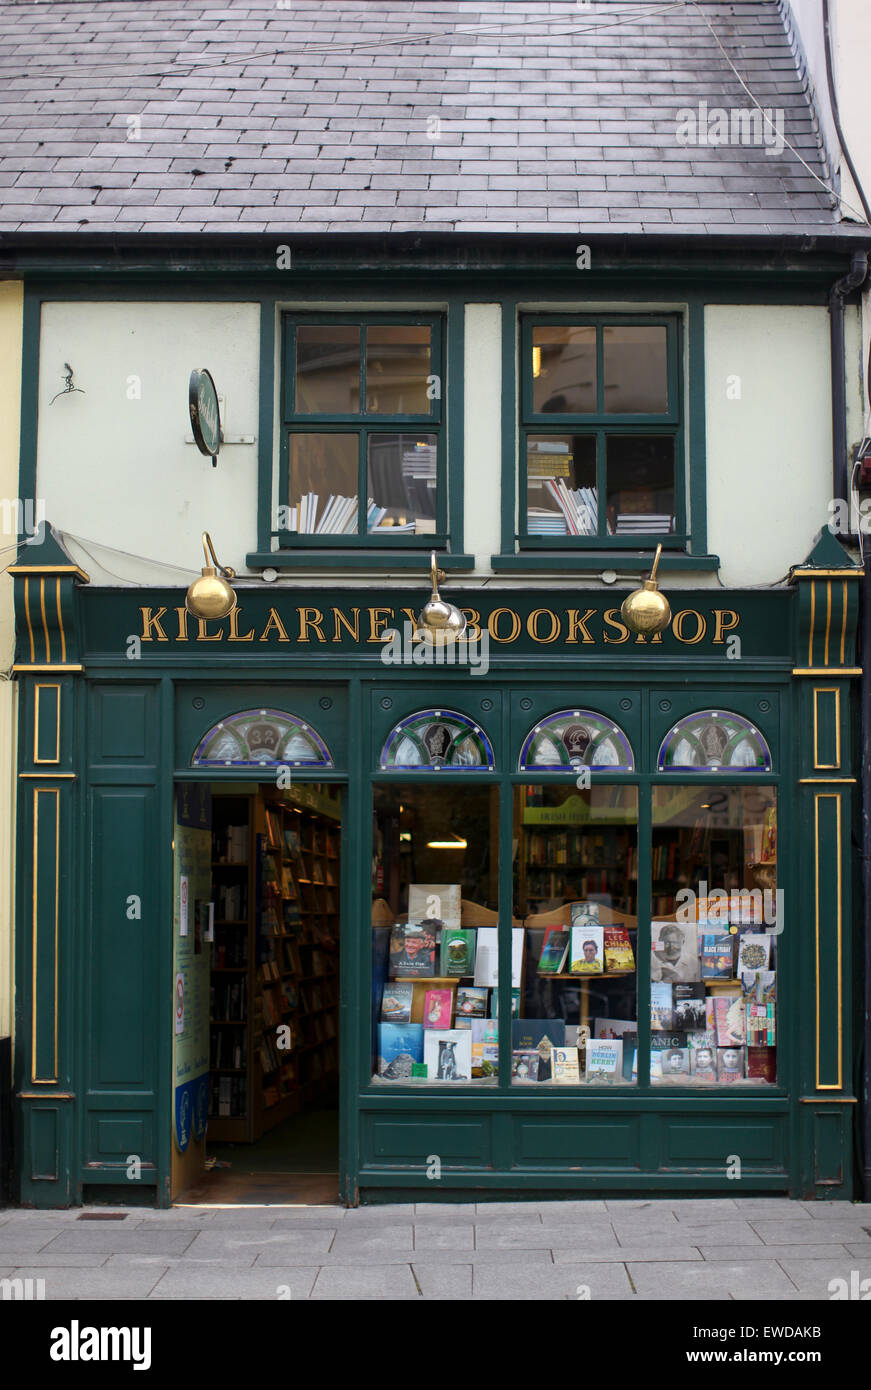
635, 369
397, 366
434, 924
563, 369
714, 937
640, 485
561, 493
575, 891
402, 483
327, 369
323, 483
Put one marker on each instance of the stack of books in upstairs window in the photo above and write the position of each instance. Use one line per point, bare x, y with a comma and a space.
643, 523
577, 514
339, 515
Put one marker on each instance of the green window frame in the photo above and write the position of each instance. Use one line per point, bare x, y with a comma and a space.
364, 424
602, 425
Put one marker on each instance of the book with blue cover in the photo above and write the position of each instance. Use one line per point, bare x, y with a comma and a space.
399, 1046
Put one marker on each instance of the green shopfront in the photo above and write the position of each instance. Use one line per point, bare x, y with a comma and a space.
626, 865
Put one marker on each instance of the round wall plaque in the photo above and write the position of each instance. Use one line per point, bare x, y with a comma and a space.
205, 413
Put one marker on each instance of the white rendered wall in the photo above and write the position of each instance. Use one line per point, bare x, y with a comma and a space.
116, 472
482, 453
115, 469
769, 469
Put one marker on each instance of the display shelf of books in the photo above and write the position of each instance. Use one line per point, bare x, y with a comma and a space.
438, 990
231, 1113
577, 864
714, 963
302, 854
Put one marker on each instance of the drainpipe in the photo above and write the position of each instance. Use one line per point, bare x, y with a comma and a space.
865, 697
842, 488
839, 443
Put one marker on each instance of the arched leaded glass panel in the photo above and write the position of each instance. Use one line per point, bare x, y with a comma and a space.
714, 741
262, 738
437, 738
576, 738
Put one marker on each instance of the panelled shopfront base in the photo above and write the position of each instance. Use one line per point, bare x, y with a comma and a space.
95, 985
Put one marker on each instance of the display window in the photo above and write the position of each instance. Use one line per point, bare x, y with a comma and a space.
714, 935
576, 893
435, 933
641, 911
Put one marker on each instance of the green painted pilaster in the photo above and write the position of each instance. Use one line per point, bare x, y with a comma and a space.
47, 947
825, 792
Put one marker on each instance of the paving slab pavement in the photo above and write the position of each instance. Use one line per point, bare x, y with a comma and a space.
721, 1249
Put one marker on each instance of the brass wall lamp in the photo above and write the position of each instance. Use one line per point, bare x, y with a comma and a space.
440, 622
646, 611
211, 596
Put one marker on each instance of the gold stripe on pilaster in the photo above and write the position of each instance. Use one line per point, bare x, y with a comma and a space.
37, 793
27, 617
810, 639
39, 686
828, 621
63, 636
827, 671
843, 620
827, 690
818, 797
44, 619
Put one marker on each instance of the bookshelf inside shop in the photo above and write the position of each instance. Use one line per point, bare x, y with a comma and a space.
274, 982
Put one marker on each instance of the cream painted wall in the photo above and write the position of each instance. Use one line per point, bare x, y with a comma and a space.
116, 469
769, 472
116, 472
482, 453
11, 301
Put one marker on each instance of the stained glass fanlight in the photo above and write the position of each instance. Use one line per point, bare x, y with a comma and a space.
714, 741
575, 738
433, 739
262, 738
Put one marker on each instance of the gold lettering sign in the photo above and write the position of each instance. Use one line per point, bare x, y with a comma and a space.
310, 618
678, 624
532, 625
544, 626
493, 625
377, 623
577, 625
152, 620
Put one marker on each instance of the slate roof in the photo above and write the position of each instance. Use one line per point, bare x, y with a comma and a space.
324, 116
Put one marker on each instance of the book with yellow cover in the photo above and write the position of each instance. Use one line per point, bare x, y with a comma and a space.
618, 949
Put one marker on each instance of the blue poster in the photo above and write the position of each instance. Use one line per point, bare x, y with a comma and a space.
184, 1108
